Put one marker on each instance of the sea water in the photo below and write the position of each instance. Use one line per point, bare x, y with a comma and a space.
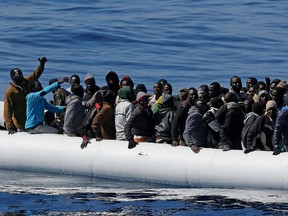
188, 43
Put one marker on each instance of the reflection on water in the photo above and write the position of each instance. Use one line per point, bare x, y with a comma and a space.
50, 194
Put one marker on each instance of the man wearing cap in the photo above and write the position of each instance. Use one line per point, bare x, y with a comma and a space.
280, 135
260, 134
140, 125
14, 99
91, 87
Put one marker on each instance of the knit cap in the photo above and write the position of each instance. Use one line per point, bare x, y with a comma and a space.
125, 92
141, 96
271, 104
89, 76
263, 92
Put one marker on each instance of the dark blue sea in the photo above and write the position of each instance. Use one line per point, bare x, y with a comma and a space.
187, 42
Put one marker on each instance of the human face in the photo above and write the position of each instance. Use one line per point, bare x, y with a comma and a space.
157, 89
90, 83
251, 91
192, 94
167, 89
74, 81
248, 83
18, 77
213, 92
236, 84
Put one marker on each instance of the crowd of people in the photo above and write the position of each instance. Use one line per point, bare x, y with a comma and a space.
248, 118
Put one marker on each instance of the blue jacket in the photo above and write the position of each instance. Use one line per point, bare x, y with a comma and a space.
36, 105
280, 135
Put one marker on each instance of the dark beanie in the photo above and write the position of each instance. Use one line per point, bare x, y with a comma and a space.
141, 87
258, 108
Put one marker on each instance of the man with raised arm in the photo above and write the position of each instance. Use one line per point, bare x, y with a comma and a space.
14, 98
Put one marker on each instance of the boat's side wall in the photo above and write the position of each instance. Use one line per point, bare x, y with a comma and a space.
148, 162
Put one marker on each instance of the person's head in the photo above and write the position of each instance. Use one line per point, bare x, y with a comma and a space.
125, 93
36, 86
112, 78
236, 84
251, 81
127, 81
74, 80
192, 94
142, 99
248, 103
271, 109
202, 106
230, 97
214, 89
141, 87
274, 84
16, 76
183, 93
108, 96
277, 95
216, 102
78, 90
157, 89
203, 93
260, 85
263, 96
258, 108
163, 81
251, 91
90, 82
167, 88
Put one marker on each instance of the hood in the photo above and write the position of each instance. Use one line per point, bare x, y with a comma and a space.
248, 115
71, 98
193, 109
114, 74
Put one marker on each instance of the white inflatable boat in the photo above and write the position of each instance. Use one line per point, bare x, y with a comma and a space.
147, 162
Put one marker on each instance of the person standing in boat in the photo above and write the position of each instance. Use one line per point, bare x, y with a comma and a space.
75, 111
14, 98
74, 80
280, 135
37, 104
195, 133
140, 126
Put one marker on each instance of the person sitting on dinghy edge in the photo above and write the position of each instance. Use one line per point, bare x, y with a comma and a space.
36, 105
86, 131
140, 125
195, 133
103, 124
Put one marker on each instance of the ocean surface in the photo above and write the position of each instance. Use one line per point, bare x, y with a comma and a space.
188, 43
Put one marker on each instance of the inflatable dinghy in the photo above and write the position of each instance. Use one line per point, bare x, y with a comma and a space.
147, 162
